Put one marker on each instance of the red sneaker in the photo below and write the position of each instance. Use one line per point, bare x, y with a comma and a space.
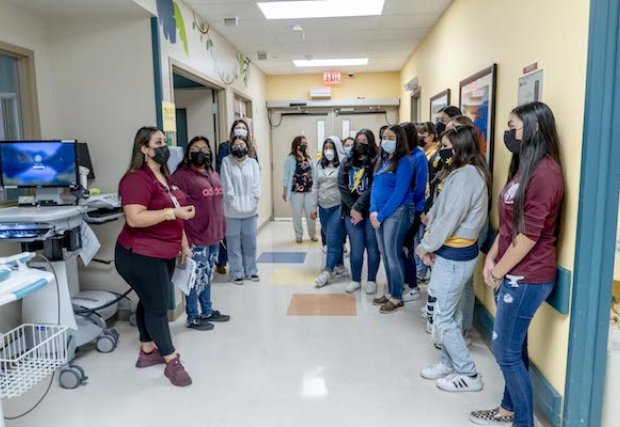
176, 373
149, 359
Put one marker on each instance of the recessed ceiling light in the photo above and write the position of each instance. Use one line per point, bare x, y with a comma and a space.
320, 8
329, 62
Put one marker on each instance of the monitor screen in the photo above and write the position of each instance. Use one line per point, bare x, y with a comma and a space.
38, 164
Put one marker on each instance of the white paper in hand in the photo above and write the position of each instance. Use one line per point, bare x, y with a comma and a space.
184, 277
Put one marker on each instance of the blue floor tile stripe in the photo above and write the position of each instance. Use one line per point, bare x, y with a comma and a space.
282, 258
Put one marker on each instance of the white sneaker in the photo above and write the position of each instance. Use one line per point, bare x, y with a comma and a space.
371, 288
460, 383
345, 250
352, 287
411, 294
436, 371
322, 279
340, 271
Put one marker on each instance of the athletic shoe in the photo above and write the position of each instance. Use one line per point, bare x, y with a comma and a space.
149, 359
253, 278
215, 316
176, 373
411, 294
340, 271
352, 287
298, 240
391, 307
200, 325
491, 418
314, 239
436, 371
460, 383
322, 279
371, 288
238, 281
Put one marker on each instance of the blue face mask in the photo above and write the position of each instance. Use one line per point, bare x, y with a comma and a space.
388, 146
347, 150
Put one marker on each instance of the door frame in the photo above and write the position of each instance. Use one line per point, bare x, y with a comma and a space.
598, 210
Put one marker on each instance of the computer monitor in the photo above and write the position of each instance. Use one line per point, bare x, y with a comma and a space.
39, 164
84, 159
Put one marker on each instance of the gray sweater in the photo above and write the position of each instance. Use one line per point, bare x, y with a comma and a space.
327, 192
460, 210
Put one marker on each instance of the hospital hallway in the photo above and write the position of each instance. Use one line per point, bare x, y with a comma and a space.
292, 355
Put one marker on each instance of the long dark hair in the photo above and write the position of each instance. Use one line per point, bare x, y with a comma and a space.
402, 149
412, 134
186, 160
232, 130
373, 148
247, 144
466, 152
142, 138
540, 139
295, 145
428, 127
324, 162
451, 111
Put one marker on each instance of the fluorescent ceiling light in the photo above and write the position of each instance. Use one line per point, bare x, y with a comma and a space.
320, 8
329, 62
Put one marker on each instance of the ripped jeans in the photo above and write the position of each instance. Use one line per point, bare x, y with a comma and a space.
516, 305
205, 257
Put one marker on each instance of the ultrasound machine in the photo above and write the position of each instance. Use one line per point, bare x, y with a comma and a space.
53, 223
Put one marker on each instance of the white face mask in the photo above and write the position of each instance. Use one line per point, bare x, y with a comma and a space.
243, 133
388, 146
330, 154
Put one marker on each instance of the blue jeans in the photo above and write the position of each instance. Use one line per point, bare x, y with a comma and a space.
222, 257
447, 282
362, 237
391, 237
516, 305
468, 300
421, 268
205, 257
331, 223
241, 239
409, 260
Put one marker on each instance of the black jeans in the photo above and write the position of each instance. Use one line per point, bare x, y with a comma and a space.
150, 278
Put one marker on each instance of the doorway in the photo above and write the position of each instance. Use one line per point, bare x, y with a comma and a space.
316, 124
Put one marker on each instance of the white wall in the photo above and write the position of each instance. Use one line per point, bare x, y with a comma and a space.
199, 106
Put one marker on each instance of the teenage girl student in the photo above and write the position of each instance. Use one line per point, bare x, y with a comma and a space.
201, 183
299, 176
239, 128
148, 245
328, 204
521, 265
419, 182
241, 182
390, 206
347, 146
451, 246
354, 181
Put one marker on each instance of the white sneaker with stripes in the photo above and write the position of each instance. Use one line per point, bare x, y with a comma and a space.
460, 383
436, 371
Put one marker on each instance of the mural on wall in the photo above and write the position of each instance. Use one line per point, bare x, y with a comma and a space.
171, 19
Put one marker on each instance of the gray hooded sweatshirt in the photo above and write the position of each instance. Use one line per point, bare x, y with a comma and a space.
326, 185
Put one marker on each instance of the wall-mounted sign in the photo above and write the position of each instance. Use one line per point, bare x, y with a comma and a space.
332, 77
531, 87
169, 116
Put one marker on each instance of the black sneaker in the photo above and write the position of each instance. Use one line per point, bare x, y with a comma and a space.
254, 278
216, 316
238, 281
200, 325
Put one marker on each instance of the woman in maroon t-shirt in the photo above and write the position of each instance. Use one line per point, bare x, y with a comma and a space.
148, 245
521, 265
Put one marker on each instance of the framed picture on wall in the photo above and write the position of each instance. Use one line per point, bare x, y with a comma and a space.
439, 101
477, 101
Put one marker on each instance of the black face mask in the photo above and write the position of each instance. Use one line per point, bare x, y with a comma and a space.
239, 152
441, 128
359, 150
512, 143
421, 142
303, 148
200, 159
162, 154
446, 154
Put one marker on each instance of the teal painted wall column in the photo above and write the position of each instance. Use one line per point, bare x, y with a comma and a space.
598, 205
157, 71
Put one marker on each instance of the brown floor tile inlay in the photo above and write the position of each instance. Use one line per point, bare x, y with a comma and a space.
322, 305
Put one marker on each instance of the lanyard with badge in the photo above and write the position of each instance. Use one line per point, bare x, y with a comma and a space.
170, 193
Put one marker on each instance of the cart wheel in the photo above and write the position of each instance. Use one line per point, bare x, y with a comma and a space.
106, 343
70, 378
83, 377
114, 333
132, 320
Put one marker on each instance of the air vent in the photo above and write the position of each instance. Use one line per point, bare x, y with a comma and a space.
231, 22
262, 56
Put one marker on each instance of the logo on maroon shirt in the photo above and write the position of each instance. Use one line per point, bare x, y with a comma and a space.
510, 193
210, 192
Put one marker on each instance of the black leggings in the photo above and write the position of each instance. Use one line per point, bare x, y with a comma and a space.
150, 278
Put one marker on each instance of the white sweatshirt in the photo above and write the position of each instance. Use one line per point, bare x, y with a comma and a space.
241, 182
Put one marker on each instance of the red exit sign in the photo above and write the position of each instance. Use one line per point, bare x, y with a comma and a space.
332, 77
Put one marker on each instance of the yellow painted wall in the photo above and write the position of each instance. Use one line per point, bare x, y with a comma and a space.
367, 85
472, 35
